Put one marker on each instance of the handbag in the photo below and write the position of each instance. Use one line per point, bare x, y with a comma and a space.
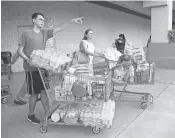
82, 58
79, 89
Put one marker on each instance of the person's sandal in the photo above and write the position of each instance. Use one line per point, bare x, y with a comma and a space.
19, 102
39, 99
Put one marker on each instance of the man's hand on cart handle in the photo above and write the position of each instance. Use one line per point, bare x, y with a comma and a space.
30, 62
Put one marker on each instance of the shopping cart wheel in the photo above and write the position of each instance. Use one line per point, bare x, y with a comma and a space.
43, 129
4, 100
96, 130
151, 99
144, 105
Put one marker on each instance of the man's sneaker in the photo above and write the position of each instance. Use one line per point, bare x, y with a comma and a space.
33, 119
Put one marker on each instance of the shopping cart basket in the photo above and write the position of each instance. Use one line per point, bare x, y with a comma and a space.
5, 72
140, 77
67, 89
5, 87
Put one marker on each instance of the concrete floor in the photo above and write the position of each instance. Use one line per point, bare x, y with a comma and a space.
157, 121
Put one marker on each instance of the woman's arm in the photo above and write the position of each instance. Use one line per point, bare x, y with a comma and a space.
99, 54
86, 50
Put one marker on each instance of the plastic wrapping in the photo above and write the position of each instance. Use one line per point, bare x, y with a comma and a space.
112, 54
49, 59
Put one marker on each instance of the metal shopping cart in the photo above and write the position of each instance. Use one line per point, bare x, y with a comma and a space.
5, 87
65, 90
144, 76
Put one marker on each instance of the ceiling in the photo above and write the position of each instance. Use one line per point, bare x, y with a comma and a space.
138, 7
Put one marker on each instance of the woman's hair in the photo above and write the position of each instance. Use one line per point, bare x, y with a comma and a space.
85, 33
120, 46
122, 36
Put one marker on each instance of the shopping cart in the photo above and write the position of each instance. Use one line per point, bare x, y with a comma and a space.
5, 87
63, 90
5, 72
139, 78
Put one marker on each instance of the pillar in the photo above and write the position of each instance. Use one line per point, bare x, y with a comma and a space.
161, 19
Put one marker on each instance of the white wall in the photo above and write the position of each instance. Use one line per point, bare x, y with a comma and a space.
105, 22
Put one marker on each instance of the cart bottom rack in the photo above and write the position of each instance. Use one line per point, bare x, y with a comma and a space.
96, 115
126, 96
95, 129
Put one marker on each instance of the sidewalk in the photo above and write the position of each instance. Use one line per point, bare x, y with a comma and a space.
157, 121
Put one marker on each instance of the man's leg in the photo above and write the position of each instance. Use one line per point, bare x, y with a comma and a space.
31, 79
44, 97
32, 103
22, 92
45, 101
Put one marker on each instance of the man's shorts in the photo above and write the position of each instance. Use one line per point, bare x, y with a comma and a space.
34, 82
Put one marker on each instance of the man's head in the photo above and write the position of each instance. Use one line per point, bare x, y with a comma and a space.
38, 19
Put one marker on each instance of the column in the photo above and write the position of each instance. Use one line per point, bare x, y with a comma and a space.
161, 19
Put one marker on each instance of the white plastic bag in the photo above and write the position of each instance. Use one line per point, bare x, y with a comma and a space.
112, 54
128, 49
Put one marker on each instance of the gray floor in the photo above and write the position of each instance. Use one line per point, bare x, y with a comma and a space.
157, 121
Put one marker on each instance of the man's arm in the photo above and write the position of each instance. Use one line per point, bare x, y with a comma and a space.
22, 44
15, 57
21, 53
64, 26
61, 28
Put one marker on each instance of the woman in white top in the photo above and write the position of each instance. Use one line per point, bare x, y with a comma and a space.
89, 48
88, 45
